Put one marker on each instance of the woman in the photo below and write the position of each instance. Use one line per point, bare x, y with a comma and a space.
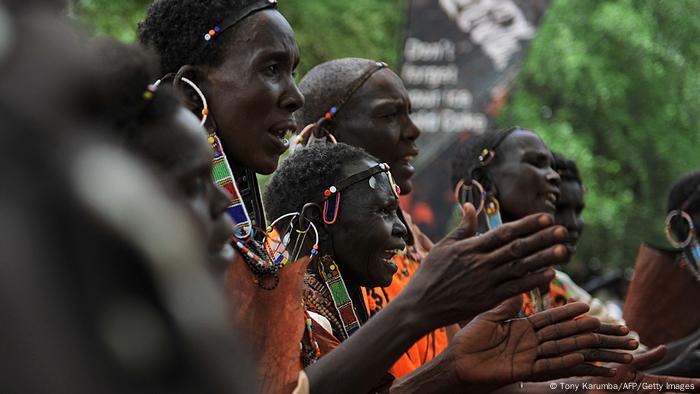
235, 61
374, 116
149, 121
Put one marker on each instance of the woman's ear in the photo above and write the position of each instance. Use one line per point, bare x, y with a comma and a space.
312, 212
192, 100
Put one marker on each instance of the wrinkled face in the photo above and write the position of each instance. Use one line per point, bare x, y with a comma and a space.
368, 231
525, 181
183, 153
252, 94
377, 119
569, 208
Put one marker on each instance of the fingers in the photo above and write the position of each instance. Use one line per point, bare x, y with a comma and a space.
598, 355
545, 258
521, 285
555, 315
586, 369
548, 365
586, 341
568, 328
523, 247
647, 359
510, 231
467, 226
613, 329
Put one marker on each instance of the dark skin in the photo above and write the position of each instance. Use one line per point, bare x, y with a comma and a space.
183, 154
367, 233
252, 94
516, 349
570, 206
523, 175
525, 182
364, 257
377, 119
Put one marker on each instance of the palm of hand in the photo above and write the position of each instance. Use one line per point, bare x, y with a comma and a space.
492, 351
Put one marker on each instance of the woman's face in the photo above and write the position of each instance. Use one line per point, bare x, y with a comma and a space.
522, 172
569, 208
252, 93
368, 231
377, 119
181, 149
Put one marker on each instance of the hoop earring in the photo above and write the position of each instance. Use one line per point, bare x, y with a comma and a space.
690, 245
461, 195
294, 215
205, 109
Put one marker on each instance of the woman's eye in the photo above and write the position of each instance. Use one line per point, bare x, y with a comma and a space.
391, 115
272, 69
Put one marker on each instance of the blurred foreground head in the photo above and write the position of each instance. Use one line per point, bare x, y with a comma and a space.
102, 286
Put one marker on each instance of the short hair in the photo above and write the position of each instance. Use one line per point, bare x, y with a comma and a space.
466, 163
324, 85
176, 28
684, 194
125, 103
566, 168
302, 177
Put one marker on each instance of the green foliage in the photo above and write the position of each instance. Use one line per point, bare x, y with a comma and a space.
616, 86
111, 18
330, 29
325, 29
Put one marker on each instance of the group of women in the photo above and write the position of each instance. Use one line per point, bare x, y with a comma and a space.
177, 274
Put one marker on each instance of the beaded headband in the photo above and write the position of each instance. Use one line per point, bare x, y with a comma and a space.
232, 20
333, 206
352, 89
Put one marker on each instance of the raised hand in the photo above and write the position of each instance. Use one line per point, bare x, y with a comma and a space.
494, 349
463, 275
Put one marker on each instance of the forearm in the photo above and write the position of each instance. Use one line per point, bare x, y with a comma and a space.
363, 359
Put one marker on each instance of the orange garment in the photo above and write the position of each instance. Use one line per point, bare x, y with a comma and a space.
426, 348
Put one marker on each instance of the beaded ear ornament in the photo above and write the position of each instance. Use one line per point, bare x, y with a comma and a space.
331, 196
278, 249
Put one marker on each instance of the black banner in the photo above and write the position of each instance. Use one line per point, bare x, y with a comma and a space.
460, 57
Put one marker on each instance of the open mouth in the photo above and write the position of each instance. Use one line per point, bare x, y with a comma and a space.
283, 132
388, 255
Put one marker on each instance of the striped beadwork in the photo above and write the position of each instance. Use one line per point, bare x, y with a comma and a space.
223, 176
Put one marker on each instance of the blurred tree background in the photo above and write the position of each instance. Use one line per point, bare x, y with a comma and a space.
612, 84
